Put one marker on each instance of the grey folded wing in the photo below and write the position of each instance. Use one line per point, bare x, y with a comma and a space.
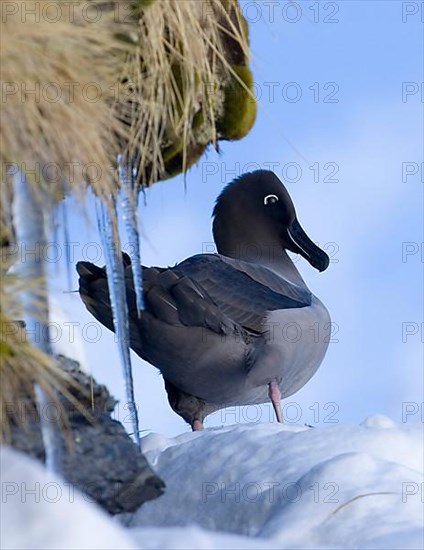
243, 291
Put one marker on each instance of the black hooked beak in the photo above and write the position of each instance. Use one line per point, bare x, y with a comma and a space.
304, 246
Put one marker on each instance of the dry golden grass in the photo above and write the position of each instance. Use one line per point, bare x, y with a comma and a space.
177, 77
65, 130
22, 365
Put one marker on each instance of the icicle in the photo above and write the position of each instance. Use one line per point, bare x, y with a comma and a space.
67, 244
29, 222
129, 197
108, 230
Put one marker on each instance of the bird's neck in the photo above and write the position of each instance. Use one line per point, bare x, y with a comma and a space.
285, 266
271, 255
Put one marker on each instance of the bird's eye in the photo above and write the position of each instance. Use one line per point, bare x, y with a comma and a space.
270, 199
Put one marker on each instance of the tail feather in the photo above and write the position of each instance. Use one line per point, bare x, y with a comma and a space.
94, 292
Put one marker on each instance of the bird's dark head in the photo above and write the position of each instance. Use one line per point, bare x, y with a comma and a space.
256, 209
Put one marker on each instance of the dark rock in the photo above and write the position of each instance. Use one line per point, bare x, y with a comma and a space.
99, 458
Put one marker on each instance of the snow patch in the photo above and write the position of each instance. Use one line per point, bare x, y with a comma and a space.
41, 511
379, 421
337, 487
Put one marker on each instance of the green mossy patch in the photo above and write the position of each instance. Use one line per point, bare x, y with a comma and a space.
239, 106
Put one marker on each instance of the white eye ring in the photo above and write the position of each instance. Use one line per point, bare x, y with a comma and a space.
270, 199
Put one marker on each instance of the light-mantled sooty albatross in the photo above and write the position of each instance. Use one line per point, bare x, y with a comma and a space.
238, 327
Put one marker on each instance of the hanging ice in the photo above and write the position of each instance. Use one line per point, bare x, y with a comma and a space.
65, 224
29, 223
108, 230
129, 195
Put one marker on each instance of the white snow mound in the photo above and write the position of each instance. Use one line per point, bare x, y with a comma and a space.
288, 487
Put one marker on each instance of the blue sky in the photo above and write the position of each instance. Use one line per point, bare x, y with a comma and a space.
354, 127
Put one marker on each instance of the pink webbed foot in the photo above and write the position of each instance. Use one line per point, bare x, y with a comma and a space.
197, 426
275, 396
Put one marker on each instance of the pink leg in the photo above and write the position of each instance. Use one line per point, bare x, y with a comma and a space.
197, 426
275, 396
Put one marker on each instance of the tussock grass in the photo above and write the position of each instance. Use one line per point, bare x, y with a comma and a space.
145, 79
58, 86
176, 81
22, 365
